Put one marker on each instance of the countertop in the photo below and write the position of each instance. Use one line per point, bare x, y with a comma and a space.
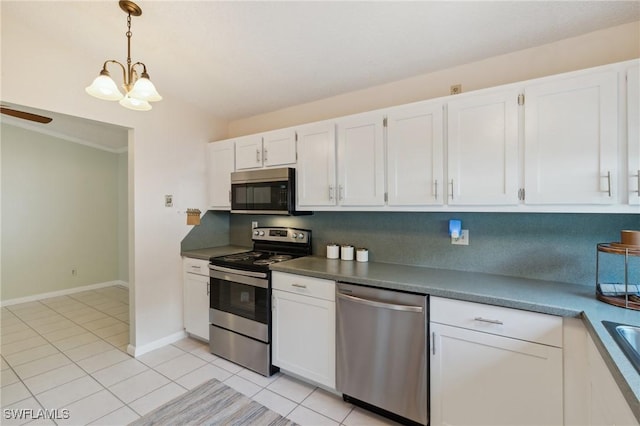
209, 252
549, 297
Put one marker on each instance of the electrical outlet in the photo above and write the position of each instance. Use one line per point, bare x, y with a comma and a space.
168, 200
463, 240
456, 89
254, 224
74, 271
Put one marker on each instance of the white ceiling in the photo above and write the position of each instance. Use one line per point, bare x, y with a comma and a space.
235, 59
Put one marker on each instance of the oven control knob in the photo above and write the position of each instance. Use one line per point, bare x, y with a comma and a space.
300, 236
256, 232
294, 235
261, 233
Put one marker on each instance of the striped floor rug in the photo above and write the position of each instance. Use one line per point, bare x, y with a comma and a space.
212, 403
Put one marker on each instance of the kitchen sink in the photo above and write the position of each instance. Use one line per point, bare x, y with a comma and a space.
628, 338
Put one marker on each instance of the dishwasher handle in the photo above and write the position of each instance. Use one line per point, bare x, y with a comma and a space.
376, 304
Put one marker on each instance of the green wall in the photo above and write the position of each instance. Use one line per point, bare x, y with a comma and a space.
62, 208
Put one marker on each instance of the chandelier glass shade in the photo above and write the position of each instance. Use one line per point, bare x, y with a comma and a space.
139, 90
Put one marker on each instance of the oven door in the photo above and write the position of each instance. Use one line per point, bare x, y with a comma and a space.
240, 303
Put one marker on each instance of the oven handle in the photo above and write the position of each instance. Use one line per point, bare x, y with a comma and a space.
233, 277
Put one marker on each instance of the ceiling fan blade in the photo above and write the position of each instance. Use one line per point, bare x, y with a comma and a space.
25, 115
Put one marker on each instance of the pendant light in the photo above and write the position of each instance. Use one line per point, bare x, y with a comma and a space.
139, 90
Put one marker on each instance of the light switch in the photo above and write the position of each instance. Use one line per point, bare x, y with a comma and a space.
168, 200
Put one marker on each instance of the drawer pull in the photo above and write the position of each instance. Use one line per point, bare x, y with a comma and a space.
488, 320
299, 285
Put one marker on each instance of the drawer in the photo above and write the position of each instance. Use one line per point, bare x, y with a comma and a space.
196, 266
300, 284
523, 325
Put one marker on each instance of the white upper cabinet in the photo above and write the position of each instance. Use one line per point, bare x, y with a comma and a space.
249, 152
483, 149
361, 160
277, 148
571, 140
415, 147
561, 143
633, 132
221, 160
316, 170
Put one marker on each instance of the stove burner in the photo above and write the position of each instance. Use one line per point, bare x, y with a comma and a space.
280, 257
239, 257
273, 259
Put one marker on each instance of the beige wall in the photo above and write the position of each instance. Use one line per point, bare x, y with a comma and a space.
60, 210
598, 48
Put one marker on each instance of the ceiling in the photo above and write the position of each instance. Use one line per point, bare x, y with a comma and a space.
236, 59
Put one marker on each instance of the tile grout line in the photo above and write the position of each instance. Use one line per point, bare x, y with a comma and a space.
35, 397
148, 367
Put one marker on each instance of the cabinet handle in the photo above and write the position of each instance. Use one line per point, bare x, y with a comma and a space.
208, 288
609, 183
433, 342
435, 188
195, 267
330, 192
638, 187
451, 183
257, 155
298, 285
340, 192
264, 155
229, 195
488, 320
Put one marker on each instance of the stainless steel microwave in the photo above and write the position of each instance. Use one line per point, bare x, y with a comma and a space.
264, 191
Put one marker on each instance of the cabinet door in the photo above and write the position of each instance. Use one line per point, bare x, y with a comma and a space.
633, 131
483, 379
249, 152
221, 156
279, 148
196, 305
607, 405
361, 161
482, 149
304, 336
316, 170
571, 140
415, 155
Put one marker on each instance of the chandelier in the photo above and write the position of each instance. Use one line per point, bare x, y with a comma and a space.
139, 89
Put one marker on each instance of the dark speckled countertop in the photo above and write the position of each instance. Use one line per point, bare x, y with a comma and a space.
209, 252
549, 297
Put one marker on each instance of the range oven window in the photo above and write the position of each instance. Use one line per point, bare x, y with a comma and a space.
260, 196
240, 299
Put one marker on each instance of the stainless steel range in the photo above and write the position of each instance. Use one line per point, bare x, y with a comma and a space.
240, 298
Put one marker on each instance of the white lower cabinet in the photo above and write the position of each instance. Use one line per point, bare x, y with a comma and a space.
480, 375
303, 327
606, 404
196, 297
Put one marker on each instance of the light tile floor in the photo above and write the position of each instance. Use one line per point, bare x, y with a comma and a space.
65, 357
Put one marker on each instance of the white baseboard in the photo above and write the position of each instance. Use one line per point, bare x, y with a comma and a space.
59, 293
136, 351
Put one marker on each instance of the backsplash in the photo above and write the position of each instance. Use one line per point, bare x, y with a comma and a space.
213, 231
556, 247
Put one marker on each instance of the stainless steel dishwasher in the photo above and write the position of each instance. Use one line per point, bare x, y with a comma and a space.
381, 351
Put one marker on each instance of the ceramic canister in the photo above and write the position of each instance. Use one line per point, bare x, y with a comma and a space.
362, 254
346, 252
333, 251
